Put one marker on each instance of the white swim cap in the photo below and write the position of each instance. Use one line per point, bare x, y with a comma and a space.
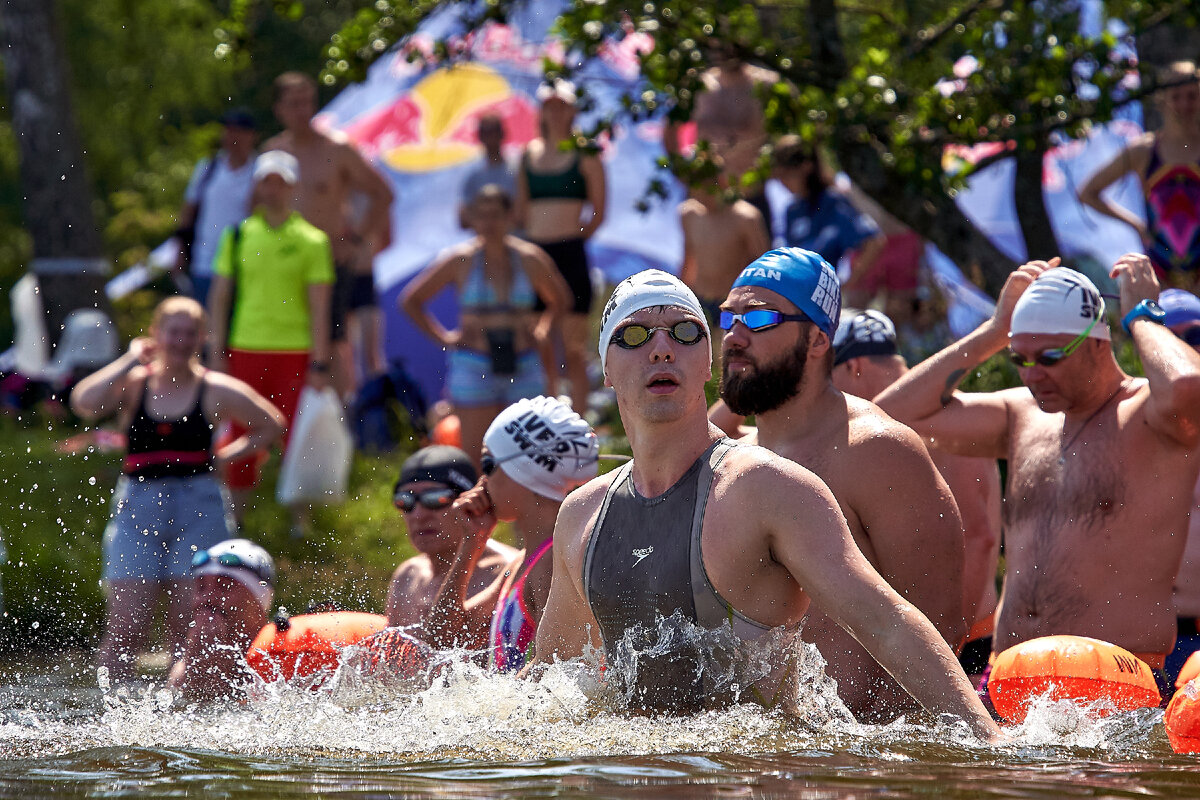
243, 561
544, 446
646, 289
1061, 300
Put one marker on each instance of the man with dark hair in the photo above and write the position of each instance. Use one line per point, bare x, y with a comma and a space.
777, 361
493, 171
430, 481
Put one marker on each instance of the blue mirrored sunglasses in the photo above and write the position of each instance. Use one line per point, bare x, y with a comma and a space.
759, 319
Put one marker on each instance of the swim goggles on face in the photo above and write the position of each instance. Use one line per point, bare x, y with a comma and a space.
232, 560
1048, 358
759, 319
433, 499
633, 336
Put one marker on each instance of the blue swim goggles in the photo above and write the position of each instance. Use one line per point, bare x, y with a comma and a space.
759, 319
232, 560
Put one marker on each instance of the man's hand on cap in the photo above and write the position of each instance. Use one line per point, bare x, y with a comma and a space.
1135, 279
1015, 286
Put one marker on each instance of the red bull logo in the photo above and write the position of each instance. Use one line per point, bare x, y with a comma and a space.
432, 127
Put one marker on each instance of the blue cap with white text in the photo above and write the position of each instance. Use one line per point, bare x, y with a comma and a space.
804, 278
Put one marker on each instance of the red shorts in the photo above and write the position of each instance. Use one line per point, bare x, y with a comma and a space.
898, 267
277, 376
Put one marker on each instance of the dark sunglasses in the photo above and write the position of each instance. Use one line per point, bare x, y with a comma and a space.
227, 560
631, 336
1048, 358
759, 319
433, 499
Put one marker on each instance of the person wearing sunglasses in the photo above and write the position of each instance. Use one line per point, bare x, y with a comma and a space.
701, 537
1101, 465
777, 364
535, 452
431, 479
1182, 316
235, 586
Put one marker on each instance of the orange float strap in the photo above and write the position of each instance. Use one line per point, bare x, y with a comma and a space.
308, 643
1069, 668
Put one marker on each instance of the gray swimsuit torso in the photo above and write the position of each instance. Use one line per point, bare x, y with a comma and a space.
644, 563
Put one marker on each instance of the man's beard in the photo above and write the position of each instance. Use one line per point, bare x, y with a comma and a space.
763, 388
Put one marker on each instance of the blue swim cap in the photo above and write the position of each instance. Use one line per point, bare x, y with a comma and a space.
804, 278
1180, 306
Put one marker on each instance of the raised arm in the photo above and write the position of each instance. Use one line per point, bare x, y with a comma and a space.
822, 557
1171, 366
424, 288
970, 424
1131, 159
454, 619
597, 192
102, 393
230, 399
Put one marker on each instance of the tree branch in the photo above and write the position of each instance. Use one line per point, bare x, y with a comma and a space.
928, 37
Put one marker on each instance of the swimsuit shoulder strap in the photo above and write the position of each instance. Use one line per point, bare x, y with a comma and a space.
621, 475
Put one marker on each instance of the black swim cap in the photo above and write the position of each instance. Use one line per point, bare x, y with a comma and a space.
441, 464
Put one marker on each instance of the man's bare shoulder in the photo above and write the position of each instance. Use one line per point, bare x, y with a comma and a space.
690, 207
871, 428
750, 471
746, 213
577, 511
412, 570
280, 141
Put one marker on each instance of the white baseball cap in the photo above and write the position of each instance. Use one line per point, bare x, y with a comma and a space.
277, 162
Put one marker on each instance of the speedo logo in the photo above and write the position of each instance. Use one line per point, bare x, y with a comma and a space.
641, 553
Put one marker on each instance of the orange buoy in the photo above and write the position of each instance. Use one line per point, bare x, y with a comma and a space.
309, 643
1069, 668
447, 431
1190, 669
1182, 719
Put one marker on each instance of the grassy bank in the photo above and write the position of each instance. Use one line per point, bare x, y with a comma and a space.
54, 507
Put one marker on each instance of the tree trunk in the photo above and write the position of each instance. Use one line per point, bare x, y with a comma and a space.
937, 218
1030, 200
67, 254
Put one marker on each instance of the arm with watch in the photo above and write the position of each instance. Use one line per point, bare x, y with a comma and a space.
319, 368
1171, 366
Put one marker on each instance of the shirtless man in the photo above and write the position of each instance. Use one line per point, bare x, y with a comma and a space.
235, 585
430, 481
1101, 466
719, 238
684, 531
866, 361
332, 174
777, 360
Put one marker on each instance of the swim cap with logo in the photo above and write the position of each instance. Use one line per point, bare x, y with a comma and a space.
243, 561
863, 333
647, 289
1060, 300
801, 276
544, 446
439, 463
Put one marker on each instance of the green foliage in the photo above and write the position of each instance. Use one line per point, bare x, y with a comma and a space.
54, 507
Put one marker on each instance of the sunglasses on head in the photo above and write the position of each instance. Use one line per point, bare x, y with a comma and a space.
433, 499
232, 560
1048, 358
632, 336
759, 319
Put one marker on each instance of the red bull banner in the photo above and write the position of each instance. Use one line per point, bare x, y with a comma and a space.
416, 121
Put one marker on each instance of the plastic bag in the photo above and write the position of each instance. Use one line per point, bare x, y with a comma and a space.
316, 465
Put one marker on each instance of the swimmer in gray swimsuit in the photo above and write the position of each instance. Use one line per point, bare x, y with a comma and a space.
751, 546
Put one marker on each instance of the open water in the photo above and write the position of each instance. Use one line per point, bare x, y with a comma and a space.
468, 733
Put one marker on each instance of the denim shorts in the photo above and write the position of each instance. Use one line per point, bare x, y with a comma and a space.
158, 525
470, 381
